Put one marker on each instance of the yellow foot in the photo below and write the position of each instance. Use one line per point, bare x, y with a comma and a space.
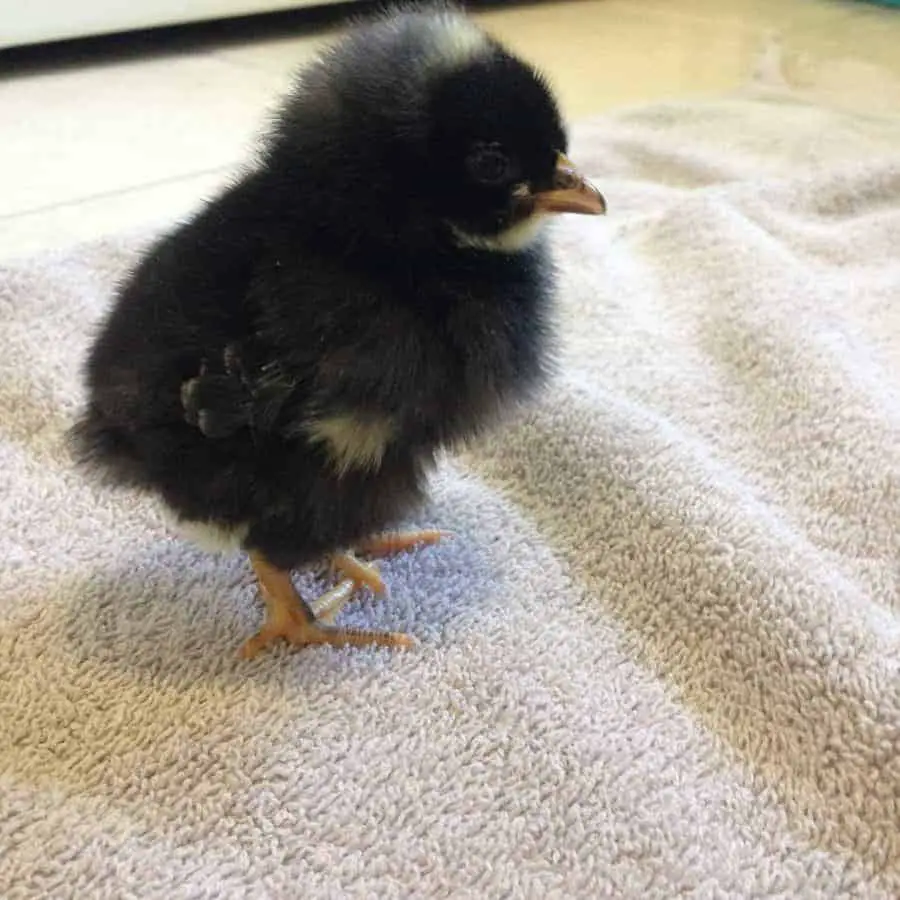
386, 544
299, 632
363, 574
358, 574
289, 618
327, 607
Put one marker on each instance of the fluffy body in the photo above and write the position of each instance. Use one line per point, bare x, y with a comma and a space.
370, 334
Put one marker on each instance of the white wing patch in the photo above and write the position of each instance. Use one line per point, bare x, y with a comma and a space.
352, 442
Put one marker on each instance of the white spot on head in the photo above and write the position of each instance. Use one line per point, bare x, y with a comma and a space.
457, 40
446, 39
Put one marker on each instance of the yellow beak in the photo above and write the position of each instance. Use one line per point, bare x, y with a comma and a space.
571, 193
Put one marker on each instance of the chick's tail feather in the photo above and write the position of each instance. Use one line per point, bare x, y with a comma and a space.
105, 452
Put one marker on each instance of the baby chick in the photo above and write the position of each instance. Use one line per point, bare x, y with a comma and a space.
283, 368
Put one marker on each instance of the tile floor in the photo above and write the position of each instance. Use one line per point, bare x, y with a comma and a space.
100, 138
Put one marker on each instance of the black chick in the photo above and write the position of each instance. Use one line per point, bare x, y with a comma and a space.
282, 369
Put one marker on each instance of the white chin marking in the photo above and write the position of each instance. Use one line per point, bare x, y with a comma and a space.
210, 536
510, 241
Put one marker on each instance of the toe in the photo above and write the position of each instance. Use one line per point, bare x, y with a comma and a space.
343, 637
364, 574
252, 647
293, 629
390, 543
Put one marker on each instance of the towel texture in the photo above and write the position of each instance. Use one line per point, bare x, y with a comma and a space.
660, 658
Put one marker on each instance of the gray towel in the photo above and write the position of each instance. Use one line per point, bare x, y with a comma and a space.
661, 656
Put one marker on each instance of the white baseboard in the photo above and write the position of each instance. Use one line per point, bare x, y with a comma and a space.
25, 22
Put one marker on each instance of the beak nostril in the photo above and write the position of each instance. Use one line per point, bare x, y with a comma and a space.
566, 178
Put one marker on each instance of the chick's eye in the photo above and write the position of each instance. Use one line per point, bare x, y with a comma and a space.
488, 164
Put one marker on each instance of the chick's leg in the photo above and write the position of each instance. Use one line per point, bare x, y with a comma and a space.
288, 617
360, 574
356, 574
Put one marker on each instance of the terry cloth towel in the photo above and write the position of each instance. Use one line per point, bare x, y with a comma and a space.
661, 656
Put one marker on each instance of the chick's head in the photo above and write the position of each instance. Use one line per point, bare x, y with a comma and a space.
418, 129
